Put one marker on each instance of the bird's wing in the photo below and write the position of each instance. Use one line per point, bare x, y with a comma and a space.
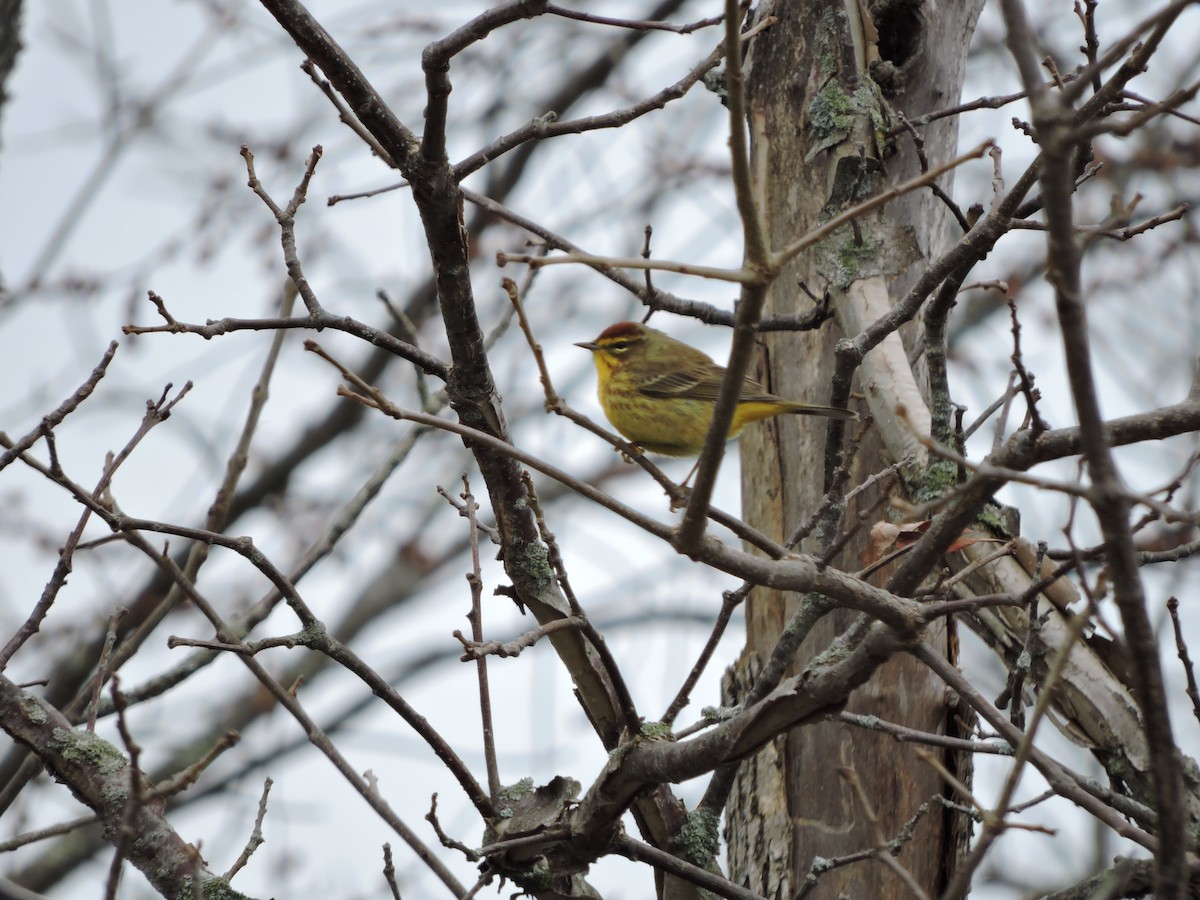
694, 386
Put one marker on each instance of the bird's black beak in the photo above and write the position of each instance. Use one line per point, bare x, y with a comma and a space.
588, 345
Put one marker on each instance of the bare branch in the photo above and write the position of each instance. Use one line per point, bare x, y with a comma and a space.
435, 61
99, 775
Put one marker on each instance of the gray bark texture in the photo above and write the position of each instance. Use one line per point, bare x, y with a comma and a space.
790, 805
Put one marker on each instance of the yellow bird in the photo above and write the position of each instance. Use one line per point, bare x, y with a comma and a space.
660, 392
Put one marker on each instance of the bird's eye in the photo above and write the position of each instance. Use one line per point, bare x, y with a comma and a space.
619, 347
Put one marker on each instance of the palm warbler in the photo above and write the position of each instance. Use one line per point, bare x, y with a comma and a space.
660, 393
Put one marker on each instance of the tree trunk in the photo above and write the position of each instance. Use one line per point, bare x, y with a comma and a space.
810, 109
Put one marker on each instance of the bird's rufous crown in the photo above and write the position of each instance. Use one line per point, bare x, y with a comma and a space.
622, 330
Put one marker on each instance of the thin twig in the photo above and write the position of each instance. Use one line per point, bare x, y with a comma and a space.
634, 24
923, 161
313, 322
1181, 648
286, 218
389, 871
110, 638
432, 818
904, 734
490, 530
729, 602
815, 236
1025, 378
475, 580
506, 649
256, 836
